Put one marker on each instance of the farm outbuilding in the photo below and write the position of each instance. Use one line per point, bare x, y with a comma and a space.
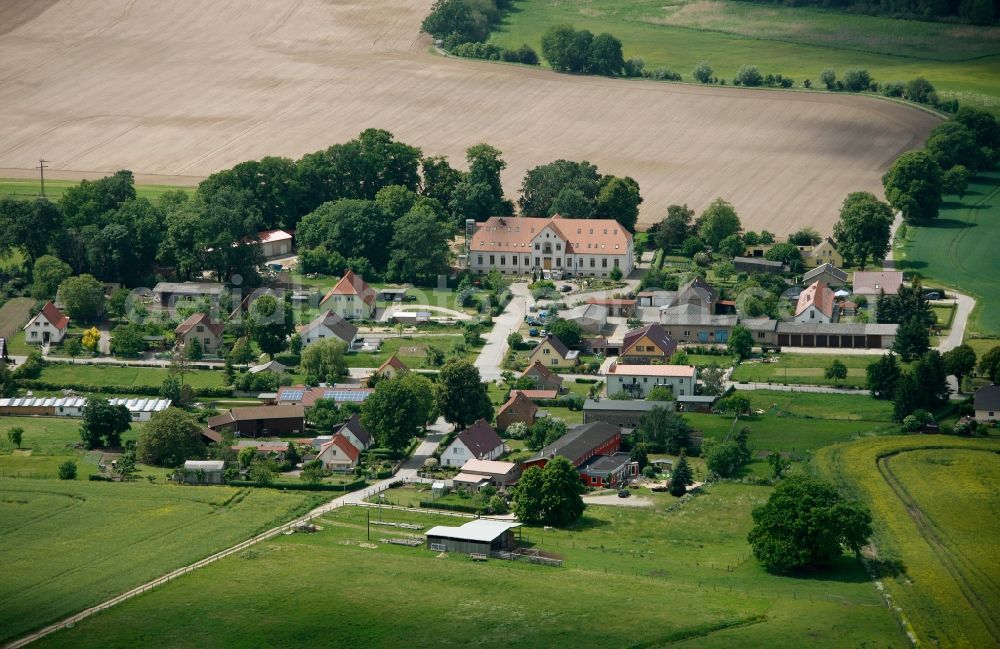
480, 536
203, 472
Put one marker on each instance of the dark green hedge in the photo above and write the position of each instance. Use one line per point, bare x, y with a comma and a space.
350, 486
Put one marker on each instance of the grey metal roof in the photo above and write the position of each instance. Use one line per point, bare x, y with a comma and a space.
759, 324
618, 405
190, 288
605, 464
133, 405
578, 442
480, 530
987, 398
694, 315
757, 261
835, 328
825, 268
204, 465
697, 398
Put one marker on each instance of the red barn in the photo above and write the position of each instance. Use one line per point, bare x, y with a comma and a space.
580, 444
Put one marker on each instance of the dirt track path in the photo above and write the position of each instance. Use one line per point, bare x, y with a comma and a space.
953, 562
182, 89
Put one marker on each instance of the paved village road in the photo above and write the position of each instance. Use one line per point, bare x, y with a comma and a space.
491, 356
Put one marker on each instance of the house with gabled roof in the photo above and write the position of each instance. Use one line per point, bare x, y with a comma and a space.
201, 327
48, 327
391, 368
552, 352
328, 325
276, 243
339, 454
828, 274
545, 379
986, 403
355, 432
479, 441
518, 408
350, 298
824, 252
696, 292
872, 283
648, 344
816, 305
577, 247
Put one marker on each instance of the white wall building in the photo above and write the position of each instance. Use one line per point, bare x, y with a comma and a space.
574, 247
638, 380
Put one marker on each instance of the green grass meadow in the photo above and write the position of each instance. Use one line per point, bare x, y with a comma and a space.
962, 61
806, 369
959, 250
934, 503
631, 578
54, 189
69, 545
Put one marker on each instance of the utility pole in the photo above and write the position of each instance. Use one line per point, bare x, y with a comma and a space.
41, 171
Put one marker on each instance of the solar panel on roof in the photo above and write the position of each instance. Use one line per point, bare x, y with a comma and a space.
292, 395
347, 395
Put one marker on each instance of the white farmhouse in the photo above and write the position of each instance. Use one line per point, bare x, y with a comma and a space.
574, 247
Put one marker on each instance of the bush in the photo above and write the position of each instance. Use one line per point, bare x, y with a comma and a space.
524, 54
571, 401
702, 72
857, 80
486, 51
67, 470
634, 67
662, 74
892, 89
748, 75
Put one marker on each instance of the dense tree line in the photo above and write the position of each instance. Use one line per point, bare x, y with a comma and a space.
955, 151
569, 50
463, 21
977, 12
577, 190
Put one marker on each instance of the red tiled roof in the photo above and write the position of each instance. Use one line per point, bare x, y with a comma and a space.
270, 236
816, 294
351, 284
344, 445
582, 236
519, 398
54, 316
199, 319
611, 302
537, 394
480, 438
392, 361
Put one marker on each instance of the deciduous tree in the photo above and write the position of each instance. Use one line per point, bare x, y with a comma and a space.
806, 524
864, 228
718, 221
103, 423
169, 438
83, 297
913, 185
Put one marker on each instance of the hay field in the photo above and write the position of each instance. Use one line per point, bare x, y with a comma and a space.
175, 91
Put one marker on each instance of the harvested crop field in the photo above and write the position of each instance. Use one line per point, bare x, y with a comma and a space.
175, 91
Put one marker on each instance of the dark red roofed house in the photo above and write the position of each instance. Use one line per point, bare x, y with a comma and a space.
645, 345
816, 305
47, 327
355, 432
391, 368
201, 327
477, 442
350, 298
261, 421
339, 454
580, 444
519, 408
545, 379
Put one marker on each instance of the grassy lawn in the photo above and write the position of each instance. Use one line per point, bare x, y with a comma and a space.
71, 545
805, 369
934, 502
677, 577
412, 350
798, 423
13, 314
126, 376
959, 250
982, 345
54, 189
961, 61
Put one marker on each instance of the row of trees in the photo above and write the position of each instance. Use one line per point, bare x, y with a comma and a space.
955, 151
977, 12
569, 50
463, 21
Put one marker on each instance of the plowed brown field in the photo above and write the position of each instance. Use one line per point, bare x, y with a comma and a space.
183, 88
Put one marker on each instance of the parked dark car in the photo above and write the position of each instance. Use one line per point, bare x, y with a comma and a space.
624, 493
565, 288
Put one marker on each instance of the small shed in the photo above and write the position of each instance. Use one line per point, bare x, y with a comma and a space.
480, 536
438, 489
203, 471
